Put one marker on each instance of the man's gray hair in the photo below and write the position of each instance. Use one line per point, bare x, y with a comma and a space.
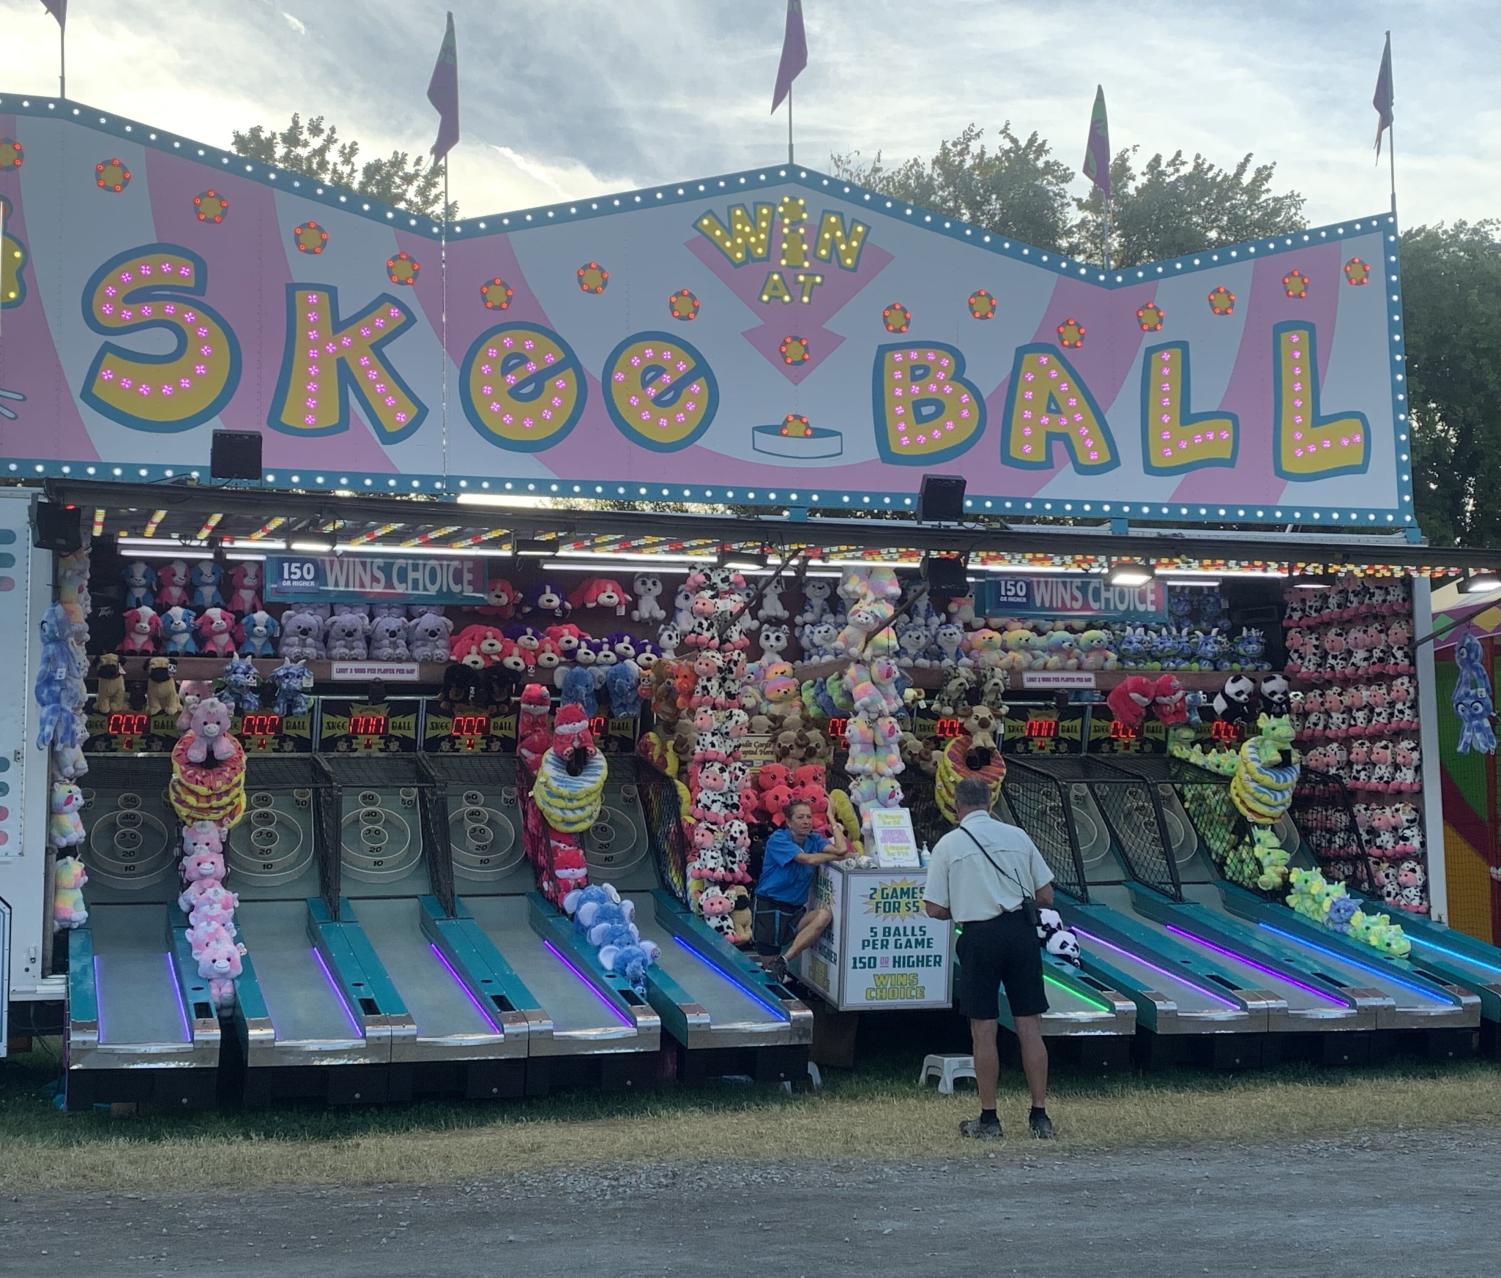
972, 793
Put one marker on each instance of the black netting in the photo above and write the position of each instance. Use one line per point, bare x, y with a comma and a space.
1132, 813
432, 807
1037, 802
664, 827
328, 838
1324, 813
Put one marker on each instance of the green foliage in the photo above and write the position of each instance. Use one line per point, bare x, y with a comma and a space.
1015, 188
1451, 277
315, 150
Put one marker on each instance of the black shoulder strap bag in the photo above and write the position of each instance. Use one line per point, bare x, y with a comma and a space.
1028, 907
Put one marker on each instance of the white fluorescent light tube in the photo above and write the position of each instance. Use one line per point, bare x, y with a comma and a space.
312, 547
1030, 568
159, 541
1215, 574
501, 499
401, 552
865, 563
264, 543
162, 553
630, 556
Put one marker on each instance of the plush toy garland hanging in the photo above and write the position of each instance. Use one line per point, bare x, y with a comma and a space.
1262, 786
1473, 700
717, 775
566, 796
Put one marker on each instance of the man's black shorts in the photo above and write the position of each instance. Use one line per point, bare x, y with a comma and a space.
774, 923
996, 952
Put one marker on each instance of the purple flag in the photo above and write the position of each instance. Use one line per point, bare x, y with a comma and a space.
58, 9
794, 53
1097, 149
443, 93
1382, 99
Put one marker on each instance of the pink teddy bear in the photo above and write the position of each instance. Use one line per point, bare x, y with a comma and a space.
210, 728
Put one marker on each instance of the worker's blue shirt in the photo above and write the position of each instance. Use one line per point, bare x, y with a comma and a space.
782, 878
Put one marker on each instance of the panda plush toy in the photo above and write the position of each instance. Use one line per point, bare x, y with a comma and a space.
1057, 940
1236, 701
1276, 696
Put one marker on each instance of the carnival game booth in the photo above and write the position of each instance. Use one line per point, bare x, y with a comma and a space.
443, 794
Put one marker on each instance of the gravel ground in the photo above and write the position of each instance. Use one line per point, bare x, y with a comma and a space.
1389, 1203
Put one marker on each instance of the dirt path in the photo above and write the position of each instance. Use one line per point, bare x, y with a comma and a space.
1395, 1205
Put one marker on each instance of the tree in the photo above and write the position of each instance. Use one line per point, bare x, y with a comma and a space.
315, 150
1015, 189
1451, 276
1175, 206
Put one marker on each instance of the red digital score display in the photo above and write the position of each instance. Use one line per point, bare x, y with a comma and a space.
1120, 731
948, 729
837, 728
260, 725
1219, 730
1041, 729
598, 725
369, 725
471, 725
127, 724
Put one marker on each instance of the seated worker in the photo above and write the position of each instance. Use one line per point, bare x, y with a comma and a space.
781, 907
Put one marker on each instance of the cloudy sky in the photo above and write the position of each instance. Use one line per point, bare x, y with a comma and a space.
568, 98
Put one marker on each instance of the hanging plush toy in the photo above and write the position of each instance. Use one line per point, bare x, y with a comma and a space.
1473, 701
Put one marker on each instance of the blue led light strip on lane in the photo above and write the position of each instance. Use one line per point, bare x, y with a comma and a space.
724, 976
1358, 965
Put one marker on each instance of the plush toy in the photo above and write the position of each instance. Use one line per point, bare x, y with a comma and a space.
64, 828
1129, 699
143, 631
205, 584
256, 634
288, 680
69, 878
211, 904
1472, 699
623, 685
388, 639
1057, 938
109, 695
648, 588
601, 592
240, 681
428, 636
139, 582
210, 731
161, 687
548, 600
301, 635
177, 631
1169, 701
347, 637
244, 588
216, 632
631, 962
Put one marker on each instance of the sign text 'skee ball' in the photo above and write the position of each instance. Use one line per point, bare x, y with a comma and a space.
818, 343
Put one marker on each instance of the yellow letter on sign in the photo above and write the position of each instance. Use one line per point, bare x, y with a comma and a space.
1309, 445
1047, 402
1175, 439
158, 286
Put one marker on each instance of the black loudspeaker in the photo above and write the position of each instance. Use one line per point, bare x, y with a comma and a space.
56, 527
235, 454
940, 500
946, 578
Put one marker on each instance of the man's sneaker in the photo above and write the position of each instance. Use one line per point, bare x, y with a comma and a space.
777, 969
978, 1129
1041, 1126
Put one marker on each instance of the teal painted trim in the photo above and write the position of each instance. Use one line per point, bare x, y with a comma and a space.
83, 994
552, 926
193, 988
734, 963
476, 958
356, 965
250, 1002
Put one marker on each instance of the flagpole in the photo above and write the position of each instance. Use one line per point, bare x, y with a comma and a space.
1109, 211
443, 311
62, 59
789, 124
1391, 139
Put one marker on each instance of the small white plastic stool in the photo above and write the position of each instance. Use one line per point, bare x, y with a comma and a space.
815, 1079
948, 1068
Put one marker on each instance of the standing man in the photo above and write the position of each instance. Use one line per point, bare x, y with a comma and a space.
978, 876
787, 870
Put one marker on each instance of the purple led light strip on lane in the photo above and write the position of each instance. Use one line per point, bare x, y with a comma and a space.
182, 1007
338, 994
1174, 976
468, 993
98, 1005
609, 1006
1255, 966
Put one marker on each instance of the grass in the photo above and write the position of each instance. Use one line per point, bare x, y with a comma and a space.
875, 1113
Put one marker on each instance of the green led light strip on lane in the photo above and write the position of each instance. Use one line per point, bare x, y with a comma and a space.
1091, 999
